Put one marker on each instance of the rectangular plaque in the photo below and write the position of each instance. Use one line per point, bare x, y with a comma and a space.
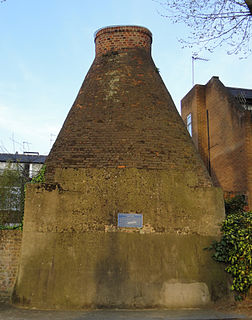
130, 220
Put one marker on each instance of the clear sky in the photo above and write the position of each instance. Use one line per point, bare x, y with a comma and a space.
47, 47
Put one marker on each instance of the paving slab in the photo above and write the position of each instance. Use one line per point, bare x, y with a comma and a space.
8, 312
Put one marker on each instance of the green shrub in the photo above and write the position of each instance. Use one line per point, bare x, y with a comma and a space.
234, 247
235, 204
40, 177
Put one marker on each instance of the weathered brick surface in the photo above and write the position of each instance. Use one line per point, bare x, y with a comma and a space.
228, 159
10, 245
124, 117
122, 38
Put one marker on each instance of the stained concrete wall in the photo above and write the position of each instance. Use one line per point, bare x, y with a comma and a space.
75, 256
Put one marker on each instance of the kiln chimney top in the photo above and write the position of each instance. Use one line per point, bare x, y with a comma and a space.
117, 38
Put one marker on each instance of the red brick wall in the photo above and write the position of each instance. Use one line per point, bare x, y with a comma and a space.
194, 103
202, 125
227, 138
228, 160
248, 147
189, 105
10, 245
123, 37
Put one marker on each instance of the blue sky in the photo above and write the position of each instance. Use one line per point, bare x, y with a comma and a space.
47, 47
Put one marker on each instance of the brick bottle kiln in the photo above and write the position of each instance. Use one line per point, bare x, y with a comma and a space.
127, 206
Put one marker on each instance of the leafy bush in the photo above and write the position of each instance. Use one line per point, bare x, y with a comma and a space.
40, 177
11, 226
234, 247
235, 204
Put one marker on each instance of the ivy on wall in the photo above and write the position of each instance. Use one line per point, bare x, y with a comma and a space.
235, 246
40, 177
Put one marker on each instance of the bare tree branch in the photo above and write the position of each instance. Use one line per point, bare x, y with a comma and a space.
213, 23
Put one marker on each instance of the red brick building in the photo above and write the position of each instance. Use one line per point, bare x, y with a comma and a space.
219, 120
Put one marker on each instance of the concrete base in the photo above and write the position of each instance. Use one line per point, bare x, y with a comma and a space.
75, 256
107, 270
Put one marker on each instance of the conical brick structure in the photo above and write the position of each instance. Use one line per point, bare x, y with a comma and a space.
127, 206
123, 115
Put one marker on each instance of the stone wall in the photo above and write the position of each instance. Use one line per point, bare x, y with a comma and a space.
10, 246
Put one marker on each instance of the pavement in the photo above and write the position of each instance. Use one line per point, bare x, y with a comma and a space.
8, 312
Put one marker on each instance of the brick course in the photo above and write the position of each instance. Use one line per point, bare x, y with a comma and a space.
122, 38
10, 245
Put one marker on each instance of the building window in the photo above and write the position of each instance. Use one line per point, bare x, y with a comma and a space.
189, 123
27, 170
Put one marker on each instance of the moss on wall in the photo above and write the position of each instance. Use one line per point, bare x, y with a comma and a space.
75, 256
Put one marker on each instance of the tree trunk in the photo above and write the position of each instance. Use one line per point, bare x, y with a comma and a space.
249, 4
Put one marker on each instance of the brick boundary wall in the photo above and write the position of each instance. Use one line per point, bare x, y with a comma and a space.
10, 246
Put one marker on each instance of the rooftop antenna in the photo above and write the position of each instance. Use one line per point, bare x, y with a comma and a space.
14, 142
195, 57
27, 144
